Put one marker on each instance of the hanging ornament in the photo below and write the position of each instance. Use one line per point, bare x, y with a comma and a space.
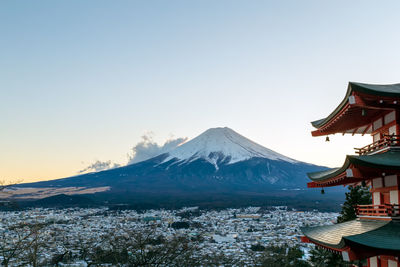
363, 112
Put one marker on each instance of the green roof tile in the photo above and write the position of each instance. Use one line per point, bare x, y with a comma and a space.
389, 90
332, 235
389, 160
385, 237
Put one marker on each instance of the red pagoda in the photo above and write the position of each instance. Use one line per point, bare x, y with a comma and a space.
375, 234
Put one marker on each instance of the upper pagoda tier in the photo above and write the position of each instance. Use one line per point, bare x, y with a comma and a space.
365, 108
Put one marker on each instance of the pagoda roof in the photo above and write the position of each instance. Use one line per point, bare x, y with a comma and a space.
370, 164
386, 237
347, 117
334, 236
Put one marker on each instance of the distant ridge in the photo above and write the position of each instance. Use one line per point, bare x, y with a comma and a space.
218, 161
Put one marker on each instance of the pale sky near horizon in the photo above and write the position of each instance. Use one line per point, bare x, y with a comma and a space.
82, 81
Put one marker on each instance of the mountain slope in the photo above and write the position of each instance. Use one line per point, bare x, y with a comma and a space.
219, 160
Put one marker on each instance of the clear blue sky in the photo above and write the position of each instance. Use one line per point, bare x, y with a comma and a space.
83, 80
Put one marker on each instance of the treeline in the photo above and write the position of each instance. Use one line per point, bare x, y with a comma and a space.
40, 245
314, 201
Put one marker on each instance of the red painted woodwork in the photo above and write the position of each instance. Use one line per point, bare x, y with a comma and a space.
348, 118
387, 141
384, 261
385, 190
388, 210
305, 239
386, 197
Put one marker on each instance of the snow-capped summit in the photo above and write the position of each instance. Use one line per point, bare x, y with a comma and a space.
218, 145
217, 161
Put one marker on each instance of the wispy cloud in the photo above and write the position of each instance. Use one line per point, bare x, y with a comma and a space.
100, 166
143, 150
148, 148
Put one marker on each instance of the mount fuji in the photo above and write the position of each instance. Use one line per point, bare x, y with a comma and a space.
222, 146
218, 161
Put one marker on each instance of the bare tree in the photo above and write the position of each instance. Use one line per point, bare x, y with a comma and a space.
125, 247
91, 250
29, 244
12, 243
35, 246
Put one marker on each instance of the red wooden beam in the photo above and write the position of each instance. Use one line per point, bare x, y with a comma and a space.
305, 239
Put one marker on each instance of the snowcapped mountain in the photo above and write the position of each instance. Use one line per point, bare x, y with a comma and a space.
222, 146
217, 162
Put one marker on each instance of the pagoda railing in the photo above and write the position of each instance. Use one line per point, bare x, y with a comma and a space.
386, 141
388, 210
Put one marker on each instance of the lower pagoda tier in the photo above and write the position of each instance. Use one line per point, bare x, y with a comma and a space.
358, 239
358, 168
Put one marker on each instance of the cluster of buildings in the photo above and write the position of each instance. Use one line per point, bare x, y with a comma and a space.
231, 231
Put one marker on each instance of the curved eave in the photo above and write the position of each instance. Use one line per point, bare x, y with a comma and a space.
324, 175
321, 122
338, 176
389, 160
333, 236
387, 91
331, 177
386, 237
